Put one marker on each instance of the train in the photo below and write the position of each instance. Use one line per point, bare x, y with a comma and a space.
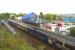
34, 31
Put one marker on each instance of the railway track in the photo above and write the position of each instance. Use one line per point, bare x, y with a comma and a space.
36, 43
59, 41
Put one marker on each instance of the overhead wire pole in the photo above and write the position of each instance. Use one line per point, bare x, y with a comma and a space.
40, 16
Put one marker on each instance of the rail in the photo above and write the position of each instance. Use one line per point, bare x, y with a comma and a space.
8, 26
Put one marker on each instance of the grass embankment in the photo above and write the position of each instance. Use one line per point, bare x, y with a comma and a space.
8, 41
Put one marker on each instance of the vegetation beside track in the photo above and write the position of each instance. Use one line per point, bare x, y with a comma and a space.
8, 41
72, 31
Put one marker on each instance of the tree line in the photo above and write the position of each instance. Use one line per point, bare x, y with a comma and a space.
8, 15
47, 16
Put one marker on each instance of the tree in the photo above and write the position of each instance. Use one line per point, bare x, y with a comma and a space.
21, 14
55, 17
5, 15
48, 16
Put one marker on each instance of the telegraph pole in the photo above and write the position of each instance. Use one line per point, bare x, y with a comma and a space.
40, 16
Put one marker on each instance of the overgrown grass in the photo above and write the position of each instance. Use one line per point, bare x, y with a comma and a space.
8, 41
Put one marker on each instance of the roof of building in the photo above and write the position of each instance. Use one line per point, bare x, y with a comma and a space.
68, 19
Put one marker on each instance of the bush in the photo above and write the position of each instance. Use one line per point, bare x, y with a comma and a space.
72, 31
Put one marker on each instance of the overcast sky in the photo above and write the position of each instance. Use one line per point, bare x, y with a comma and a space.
46, 6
